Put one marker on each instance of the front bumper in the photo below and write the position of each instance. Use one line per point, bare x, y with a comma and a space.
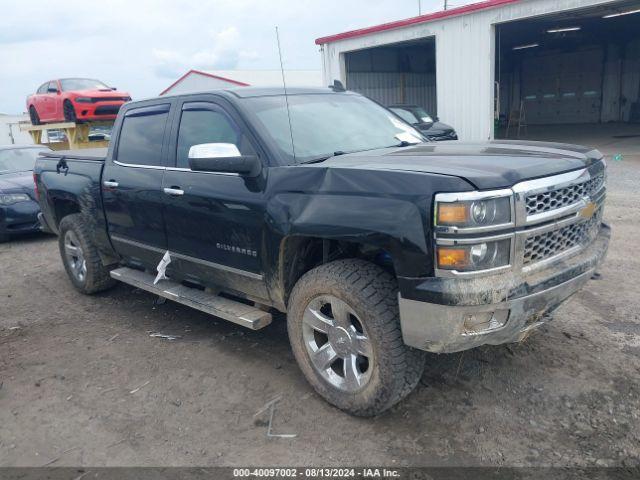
97, 111
21, 217
525, 302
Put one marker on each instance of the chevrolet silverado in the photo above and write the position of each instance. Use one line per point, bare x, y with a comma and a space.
378, 245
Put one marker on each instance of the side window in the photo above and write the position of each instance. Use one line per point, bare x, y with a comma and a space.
52, 85
141, 139
206, 126
43, 88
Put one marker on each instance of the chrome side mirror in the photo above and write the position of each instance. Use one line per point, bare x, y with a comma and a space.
222, 157
214, 150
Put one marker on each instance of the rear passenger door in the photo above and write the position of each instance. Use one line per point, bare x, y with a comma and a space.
132, 185
214, 220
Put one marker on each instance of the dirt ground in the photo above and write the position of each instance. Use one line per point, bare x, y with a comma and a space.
84, 383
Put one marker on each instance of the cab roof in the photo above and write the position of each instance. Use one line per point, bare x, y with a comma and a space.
248, 92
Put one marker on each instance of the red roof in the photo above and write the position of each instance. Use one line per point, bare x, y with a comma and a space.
206, 74
454, 12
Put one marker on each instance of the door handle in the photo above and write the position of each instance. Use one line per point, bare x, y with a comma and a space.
173, 191
110, 184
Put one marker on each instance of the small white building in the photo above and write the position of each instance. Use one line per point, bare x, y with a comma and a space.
198, 81
10, 133
549, 62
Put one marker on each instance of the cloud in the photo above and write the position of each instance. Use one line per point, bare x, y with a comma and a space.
143, 46
225, 53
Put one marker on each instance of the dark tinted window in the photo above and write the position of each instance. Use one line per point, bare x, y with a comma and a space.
141, 139
204, 126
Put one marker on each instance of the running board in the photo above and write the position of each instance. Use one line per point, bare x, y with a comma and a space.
236, 312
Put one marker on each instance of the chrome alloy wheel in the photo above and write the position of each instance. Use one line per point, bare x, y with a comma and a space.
337, 343
75, 256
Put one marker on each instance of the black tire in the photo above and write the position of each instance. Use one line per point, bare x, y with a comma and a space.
33, 115
371, 294
96, 276
69, 112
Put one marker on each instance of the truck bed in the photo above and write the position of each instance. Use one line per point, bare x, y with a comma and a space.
69, 181
91, 154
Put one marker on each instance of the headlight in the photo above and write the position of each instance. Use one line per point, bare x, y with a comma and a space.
451, 211
83, 99
11, 198
479, 256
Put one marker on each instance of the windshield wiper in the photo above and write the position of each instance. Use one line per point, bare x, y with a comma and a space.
402, 143
324, 157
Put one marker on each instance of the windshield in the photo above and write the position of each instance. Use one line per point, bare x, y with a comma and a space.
19, 159
69, 84
325, 124
422, 114
406, 115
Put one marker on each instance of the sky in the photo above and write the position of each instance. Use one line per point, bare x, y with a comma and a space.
142, 46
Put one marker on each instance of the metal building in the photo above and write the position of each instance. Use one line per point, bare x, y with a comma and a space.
198, 80
534, 62
10, 133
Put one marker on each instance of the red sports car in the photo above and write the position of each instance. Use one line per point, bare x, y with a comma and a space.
74, 100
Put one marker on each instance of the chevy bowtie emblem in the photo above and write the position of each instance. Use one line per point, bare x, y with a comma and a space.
588, 210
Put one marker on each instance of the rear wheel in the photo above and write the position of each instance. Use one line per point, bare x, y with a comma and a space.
69, 112
345, 333
33, 115
80, 257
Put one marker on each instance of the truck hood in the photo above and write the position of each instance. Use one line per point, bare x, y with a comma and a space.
100, 93
17, 182
435, 128
489, 165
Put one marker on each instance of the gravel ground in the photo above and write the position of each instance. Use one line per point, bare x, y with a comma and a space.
84, 383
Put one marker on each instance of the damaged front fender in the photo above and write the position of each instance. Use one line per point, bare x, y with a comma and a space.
387, 209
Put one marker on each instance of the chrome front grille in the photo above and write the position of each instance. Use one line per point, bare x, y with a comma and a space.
562, 197
549, 244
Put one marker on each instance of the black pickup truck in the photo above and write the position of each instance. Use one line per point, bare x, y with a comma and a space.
377, 245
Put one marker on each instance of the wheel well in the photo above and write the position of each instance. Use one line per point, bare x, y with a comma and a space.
64, 208
298, 255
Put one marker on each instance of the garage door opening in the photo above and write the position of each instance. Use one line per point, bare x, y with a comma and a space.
399, 74
569, 75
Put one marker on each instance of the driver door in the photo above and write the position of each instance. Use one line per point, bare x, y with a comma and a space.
213, 220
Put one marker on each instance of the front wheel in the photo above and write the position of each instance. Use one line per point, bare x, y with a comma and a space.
80, 257
344, 329
33, 116
69, 112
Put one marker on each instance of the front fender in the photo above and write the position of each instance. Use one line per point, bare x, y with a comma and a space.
395, 225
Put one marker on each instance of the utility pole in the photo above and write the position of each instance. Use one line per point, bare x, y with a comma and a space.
446, 4
419, 7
